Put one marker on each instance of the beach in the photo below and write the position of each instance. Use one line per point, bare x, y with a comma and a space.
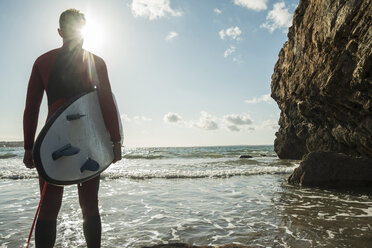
194, 195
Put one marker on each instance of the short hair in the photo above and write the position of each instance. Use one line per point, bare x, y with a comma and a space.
71, 20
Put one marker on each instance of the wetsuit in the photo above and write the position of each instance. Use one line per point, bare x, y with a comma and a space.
64, 73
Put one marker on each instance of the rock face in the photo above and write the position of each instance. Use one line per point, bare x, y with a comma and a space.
328, 169
322, 80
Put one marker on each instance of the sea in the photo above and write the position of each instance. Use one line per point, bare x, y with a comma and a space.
193, 195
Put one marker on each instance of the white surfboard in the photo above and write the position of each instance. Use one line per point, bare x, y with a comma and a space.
74, 145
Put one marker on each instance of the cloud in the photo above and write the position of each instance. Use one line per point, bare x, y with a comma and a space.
237, 122
256, 5
136, 118
232, 32
264, 98
217, 11
233, 128
206, 122
125, 118
231, 122
153, 9
278, 18
238, 59
141, 118
229, 51
172, 118
171, 36
270, 124
238, 119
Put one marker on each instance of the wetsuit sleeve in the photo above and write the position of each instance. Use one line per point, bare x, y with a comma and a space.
35, 93
107, 104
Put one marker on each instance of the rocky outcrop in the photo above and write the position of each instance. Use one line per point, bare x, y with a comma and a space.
329, 169
322, 80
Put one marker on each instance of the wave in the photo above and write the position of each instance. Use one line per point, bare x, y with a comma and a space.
18, 177
202, 155
192, 156
130, 156
170, 155
170, 174
8, 155
21, 173
197, 174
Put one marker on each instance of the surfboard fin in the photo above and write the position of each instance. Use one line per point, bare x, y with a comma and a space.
90, 165
74, 117
66, 150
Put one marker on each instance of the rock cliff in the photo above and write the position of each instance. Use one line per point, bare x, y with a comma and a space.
322, 80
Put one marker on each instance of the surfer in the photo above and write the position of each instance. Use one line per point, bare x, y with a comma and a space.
63, 73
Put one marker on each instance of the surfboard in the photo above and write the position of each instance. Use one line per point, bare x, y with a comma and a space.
74, 145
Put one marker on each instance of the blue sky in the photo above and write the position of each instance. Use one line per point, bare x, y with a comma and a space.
184, 72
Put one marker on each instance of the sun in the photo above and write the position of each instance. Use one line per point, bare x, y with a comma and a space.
93, 35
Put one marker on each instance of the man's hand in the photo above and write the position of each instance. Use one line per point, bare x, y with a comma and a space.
117, 151
27, 159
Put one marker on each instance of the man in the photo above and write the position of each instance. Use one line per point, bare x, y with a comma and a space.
64, 73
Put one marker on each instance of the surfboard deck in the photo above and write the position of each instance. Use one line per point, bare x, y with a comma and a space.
74, 145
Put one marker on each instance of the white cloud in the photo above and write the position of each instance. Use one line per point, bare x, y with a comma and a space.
270, 124
229, 51
256, 5
125, 118
171, 36
232, 32
172, 118
136, 118
153, 9
141, 118
238, 59
222, 34
264, 98
206, 122
232, 122
237, 122
238, 119
217, 11
233, 128
278, 18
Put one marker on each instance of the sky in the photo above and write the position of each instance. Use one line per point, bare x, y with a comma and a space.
184, 72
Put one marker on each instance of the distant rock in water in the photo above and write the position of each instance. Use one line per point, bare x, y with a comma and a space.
322, 80
329, 169
245, 156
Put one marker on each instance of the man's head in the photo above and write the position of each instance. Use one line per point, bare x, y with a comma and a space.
71, 22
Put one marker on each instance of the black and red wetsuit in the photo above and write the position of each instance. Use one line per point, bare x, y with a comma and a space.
64, 73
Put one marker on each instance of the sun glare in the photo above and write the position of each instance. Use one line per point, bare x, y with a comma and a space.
93, 35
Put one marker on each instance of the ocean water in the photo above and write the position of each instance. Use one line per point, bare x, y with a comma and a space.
195, 195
